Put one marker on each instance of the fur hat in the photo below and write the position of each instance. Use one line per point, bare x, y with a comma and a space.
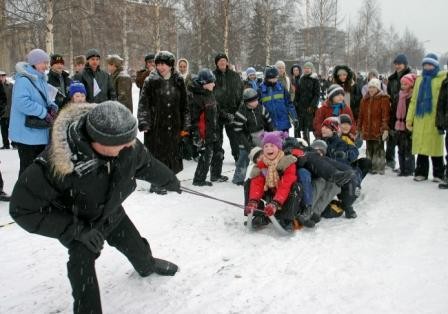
401, 59
345, 118
76, 87
92, 53
333, 90
81, 59
409, 79
149, 57
320, 145
220, 56
332, 123
115, 60
205, 76
56, 58
375, 83
276, 138
270, 73
110, 123
37, 56
431, 58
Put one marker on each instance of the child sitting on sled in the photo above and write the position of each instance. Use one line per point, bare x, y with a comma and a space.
272, 187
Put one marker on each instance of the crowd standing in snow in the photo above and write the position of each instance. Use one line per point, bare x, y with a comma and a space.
75, 133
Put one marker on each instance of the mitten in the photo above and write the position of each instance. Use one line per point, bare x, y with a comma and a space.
250, 207
92, 239
271, 208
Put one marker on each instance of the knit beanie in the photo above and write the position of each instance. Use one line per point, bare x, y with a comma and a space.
375, 83
308, 65
111, 124
220, 56
345, 118
401, 59
56, 58
431, 58
320, 145
76, 87
276, 138
92, 53
254, 153
270, 73
250, 70
37, 56
334, 90
409, 79
249, 94
332, 123
205, 76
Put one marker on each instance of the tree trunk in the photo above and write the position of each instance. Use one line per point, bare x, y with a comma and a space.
157, 27
49, 35
268, 31
226, 26
70, 36
125, 37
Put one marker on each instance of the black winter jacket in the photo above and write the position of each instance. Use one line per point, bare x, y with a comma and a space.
228, 92
204, 113
70, 186
442, 106
249, 121
393, 90
350, 87
307, 95
104, 83
62, 96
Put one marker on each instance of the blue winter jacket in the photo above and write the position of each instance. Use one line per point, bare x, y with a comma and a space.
277, 101
27, 101
341, 151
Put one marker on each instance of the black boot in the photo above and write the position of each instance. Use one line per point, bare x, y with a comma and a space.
444, 185
157, 189
305, 217
220, 178
4, 197
164, 268
342, 177
350, 213
202, 183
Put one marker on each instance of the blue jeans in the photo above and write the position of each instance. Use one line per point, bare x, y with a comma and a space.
241, 167
305, 181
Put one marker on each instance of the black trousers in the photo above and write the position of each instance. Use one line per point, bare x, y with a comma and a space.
305, 124
27, 153
422, 168
390, 147
4, 126
210, 157
81, 265
1, 182
446, 157
405, 157
233, 138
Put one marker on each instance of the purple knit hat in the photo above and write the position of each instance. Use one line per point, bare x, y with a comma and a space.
275, 137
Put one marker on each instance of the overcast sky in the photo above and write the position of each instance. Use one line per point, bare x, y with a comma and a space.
427, 19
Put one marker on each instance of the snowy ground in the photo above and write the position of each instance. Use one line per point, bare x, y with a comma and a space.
392, 259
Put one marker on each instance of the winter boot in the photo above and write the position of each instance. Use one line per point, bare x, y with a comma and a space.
305, 217
333, 210
220, 178
259, 221
157, 189
164, 268
350, 213
202, 183
341, 177
4, 197
444, 185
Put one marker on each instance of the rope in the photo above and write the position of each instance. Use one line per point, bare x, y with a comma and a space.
193, 192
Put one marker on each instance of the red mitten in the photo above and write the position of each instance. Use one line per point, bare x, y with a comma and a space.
250, 207
271, 208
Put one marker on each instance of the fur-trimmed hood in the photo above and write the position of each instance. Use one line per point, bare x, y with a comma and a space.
283, 163
27, 70
61, 155
350, 74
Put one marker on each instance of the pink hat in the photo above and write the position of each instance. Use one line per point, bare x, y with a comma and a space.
275, 137
409, 79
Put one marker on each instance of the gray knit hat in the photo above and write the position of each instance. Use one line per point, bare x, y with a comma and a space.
110, 123
320, 145
92, 52
37, 56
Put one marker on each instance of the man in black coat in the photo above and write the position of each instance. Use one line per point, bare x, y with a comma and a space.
442, 123
60, 79
228, 93
393, 89
74, 192
306, 100
98, 83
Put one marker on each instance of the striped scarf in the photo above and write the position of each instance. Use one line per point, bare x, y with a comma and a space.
272, 176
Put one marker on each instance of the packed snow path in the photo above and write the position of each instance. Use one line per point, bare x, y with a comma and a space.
391, 259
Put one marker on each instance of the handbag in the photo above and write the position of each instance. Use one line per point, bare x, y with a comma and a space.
33, 121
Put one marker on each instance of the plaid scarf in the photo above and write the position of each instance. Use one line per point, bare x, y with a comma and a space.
272, 176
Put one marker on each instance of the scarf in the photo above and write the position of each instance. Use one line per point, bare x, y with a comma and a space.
424, 99
272, 176
403, 96
337, 108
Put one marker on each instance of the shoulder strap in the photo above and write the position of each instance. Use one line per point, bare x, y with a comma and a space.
40, 92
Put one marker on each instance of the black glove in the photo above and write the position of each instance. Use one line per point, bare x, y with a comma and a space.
92, 239
173, 185
340, 155
295, 123
229, 117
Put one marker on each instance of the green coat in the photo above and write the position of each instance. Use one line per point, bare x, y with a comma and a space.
426, 140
